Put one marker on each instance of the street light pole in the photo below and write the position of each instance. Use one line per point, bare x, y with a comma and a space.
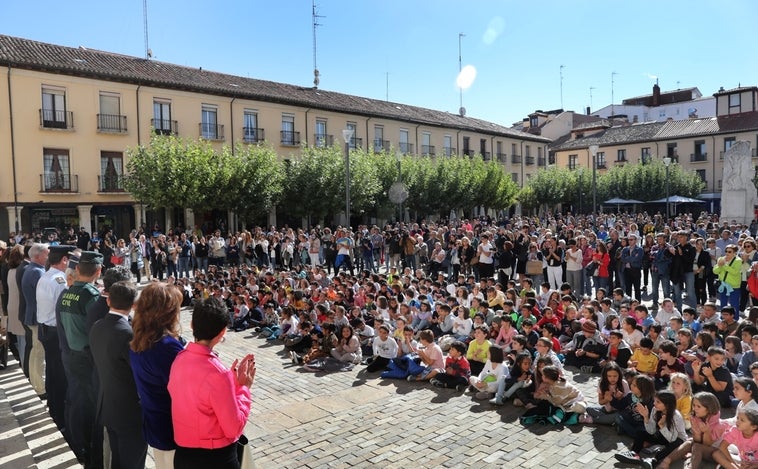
667, 163
593, 151
347, 135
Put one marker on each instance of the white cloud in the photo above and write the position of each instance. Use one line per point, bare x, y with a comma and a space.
466, 77
494, 29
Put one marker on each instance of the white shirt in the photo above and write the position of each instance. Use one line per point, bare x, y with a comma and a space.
49, 288
486, 257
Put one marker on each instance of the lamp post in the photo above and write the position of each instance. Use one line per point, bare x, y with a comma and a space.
593, 152
347, 136
667, 163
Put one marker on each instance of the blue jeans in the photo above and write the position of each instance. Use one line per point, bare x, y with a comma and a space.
689, 287
732, 298
665, 283
202, 263
183, 268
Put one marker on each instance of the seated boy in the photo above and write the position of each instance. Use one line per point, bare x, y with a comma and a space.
643, 359
532, 336
431, 355
668, 364
585, 349
618, 350
457, 370
385, 348
713, 376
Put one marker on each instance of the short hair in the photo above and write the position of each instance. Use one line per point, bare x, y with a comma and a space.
459, 346
426, 335
669, 347
714, 350
617, 334
88, 269
122, 295
646, 342
118, 273
209, 318
496, 354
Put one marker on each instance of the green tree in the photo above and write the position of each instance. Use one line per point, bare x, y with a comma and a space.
648, 182
253, 180
553, 186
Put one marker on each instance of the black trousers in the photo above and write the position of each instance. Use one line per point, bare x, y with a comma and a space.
128, 448
56, 384
200, 458
377, 364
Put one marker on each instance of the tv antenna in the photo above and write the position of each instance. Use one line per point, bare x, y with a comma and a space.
315, 17
461, 110
148, 51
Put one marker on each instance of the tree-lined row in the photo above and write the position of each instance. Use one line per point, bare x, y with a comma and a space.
173, 172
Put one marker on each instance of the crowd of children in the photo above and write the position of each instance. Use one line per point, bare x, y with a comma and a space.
664, 375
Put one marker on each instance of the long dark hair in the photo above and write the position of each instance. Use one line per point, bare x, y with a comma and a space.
604, 385
516, 368
668, 399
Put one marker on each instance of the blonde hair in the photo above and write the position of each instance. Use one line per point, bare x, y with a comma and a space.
684, 379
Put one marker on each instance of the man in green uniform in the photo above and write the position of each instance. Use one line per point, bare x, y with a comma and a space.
80, 412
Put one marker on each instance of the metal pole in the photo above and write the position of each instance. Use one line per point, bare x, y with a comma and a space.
594, 185
347, 184
668, 211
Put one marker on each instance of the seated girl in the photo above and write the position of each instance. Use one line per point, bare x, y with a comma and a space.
559, 402
612, 385
488, 380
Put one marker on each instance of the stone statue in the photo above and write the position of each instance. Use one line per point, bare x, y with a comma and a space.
738, 195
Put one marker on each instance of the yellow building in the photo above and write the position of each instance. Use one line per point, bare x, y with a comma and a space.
67, 115
697, 144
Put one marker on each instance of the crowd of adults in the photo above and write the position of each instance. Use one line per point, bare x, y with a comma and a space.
353, 296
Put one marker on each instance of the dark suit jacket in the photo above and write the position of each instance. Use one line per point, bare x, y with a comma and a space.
118, 404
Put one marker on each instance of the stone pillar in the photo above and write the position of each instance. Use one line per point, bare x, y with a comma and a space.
168, 222
85, 217
271, 217
230, 225
14, 216
139, 215
189, 220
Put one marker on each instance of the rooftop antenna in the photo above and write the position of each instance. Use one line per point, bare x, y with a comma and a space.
560, 71
613, 82
591, 88
316, 74
148, 52
677, 84
461, 110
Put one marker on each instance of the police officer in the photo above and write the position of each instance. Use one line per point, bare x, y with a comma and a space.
80, 412
49, 288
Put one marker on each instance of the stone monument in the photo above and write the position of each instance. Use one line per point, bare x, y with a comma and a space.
738, 193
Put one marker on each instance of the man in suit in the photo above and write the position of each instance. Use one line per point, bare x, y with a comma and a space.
38, 254
118, 403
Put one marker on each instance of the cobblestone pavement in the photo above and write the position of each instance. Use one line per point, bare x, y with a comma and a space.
355, 419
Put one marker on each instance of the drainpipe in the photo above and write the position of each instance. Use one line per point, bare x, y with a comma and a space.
492, 147
713, 138
231, 123
457, 142
417, 149
367, 142
306, 123
139, 128
13, 153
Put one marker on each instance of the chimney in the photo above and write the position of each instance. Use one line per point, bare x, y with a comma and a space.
588, 110
656, 95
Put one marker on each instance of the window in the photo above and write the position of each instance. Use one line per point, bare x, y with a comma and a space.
405, 147
621, 155
701, 153
162, 118
57, 175
379, 143
250, 131
111, 171
426, 144
540, 158
448, 145
645, 155
467, 146
672, 152
534, 121
572, 161
513, 149
514, 177
483, 148
209, 128
289, 136
728, 142
527, 151
600, 160
701, 174
321, 137
53, 114
354, 140
499, 151
110, 118
734, 103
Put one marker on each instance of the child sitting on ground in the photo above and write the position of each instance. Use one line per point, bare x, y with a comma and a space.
487, 381
744, 435
519, 376
431, 355
713, 376
643, 359
560, 402
681, 386
385, 348
612, 385
457, 370
478, 350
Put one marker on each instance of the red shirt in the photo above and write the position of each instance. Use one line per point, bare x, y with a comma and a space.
208, 408
458, 366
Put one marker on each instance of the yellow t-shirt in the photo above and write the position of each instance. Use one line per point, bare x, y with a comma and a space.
684, 406
645, 363
478, 352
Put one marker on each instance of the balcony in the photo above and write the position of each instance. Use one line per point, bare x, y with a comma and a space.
211, 131
356, 142
753, 154
290, 138
541, 161
110, 183
467, 152
621, 159
111, 123
323, 140
428, 150
252, 135
529, 160
486, 156
601, 165
449, 151
572, 165
698, 157
381, 145
58, 182
52, 119
406, 148
501, 157
165, 126
515, 159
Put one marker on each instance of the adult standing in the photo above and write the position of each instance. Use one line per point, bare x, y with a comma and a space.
49, 288
486, 253
184, 249
631, 263
135, 256
15, 326
574, 268
553, 255
217, 249
38, 254
80, 411
118, 404
24, 340
682, 276
728, 269
209, 403
154, 348
201, 254
83, 239
660, 265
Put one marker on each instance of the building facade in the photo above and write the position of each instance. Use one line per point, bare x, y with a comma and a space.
68, 115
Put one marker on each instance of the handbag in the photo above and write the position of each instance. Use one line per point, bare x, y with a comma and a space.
591, 268
534, 267
115, 260
244, 453
474, 260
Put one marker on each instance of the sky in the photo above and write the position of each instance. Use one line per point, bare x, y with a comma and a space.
407, 50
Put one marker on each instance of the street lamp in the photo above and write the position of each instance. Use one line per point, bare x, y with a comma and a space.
667, 163
593, 152
347, 135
